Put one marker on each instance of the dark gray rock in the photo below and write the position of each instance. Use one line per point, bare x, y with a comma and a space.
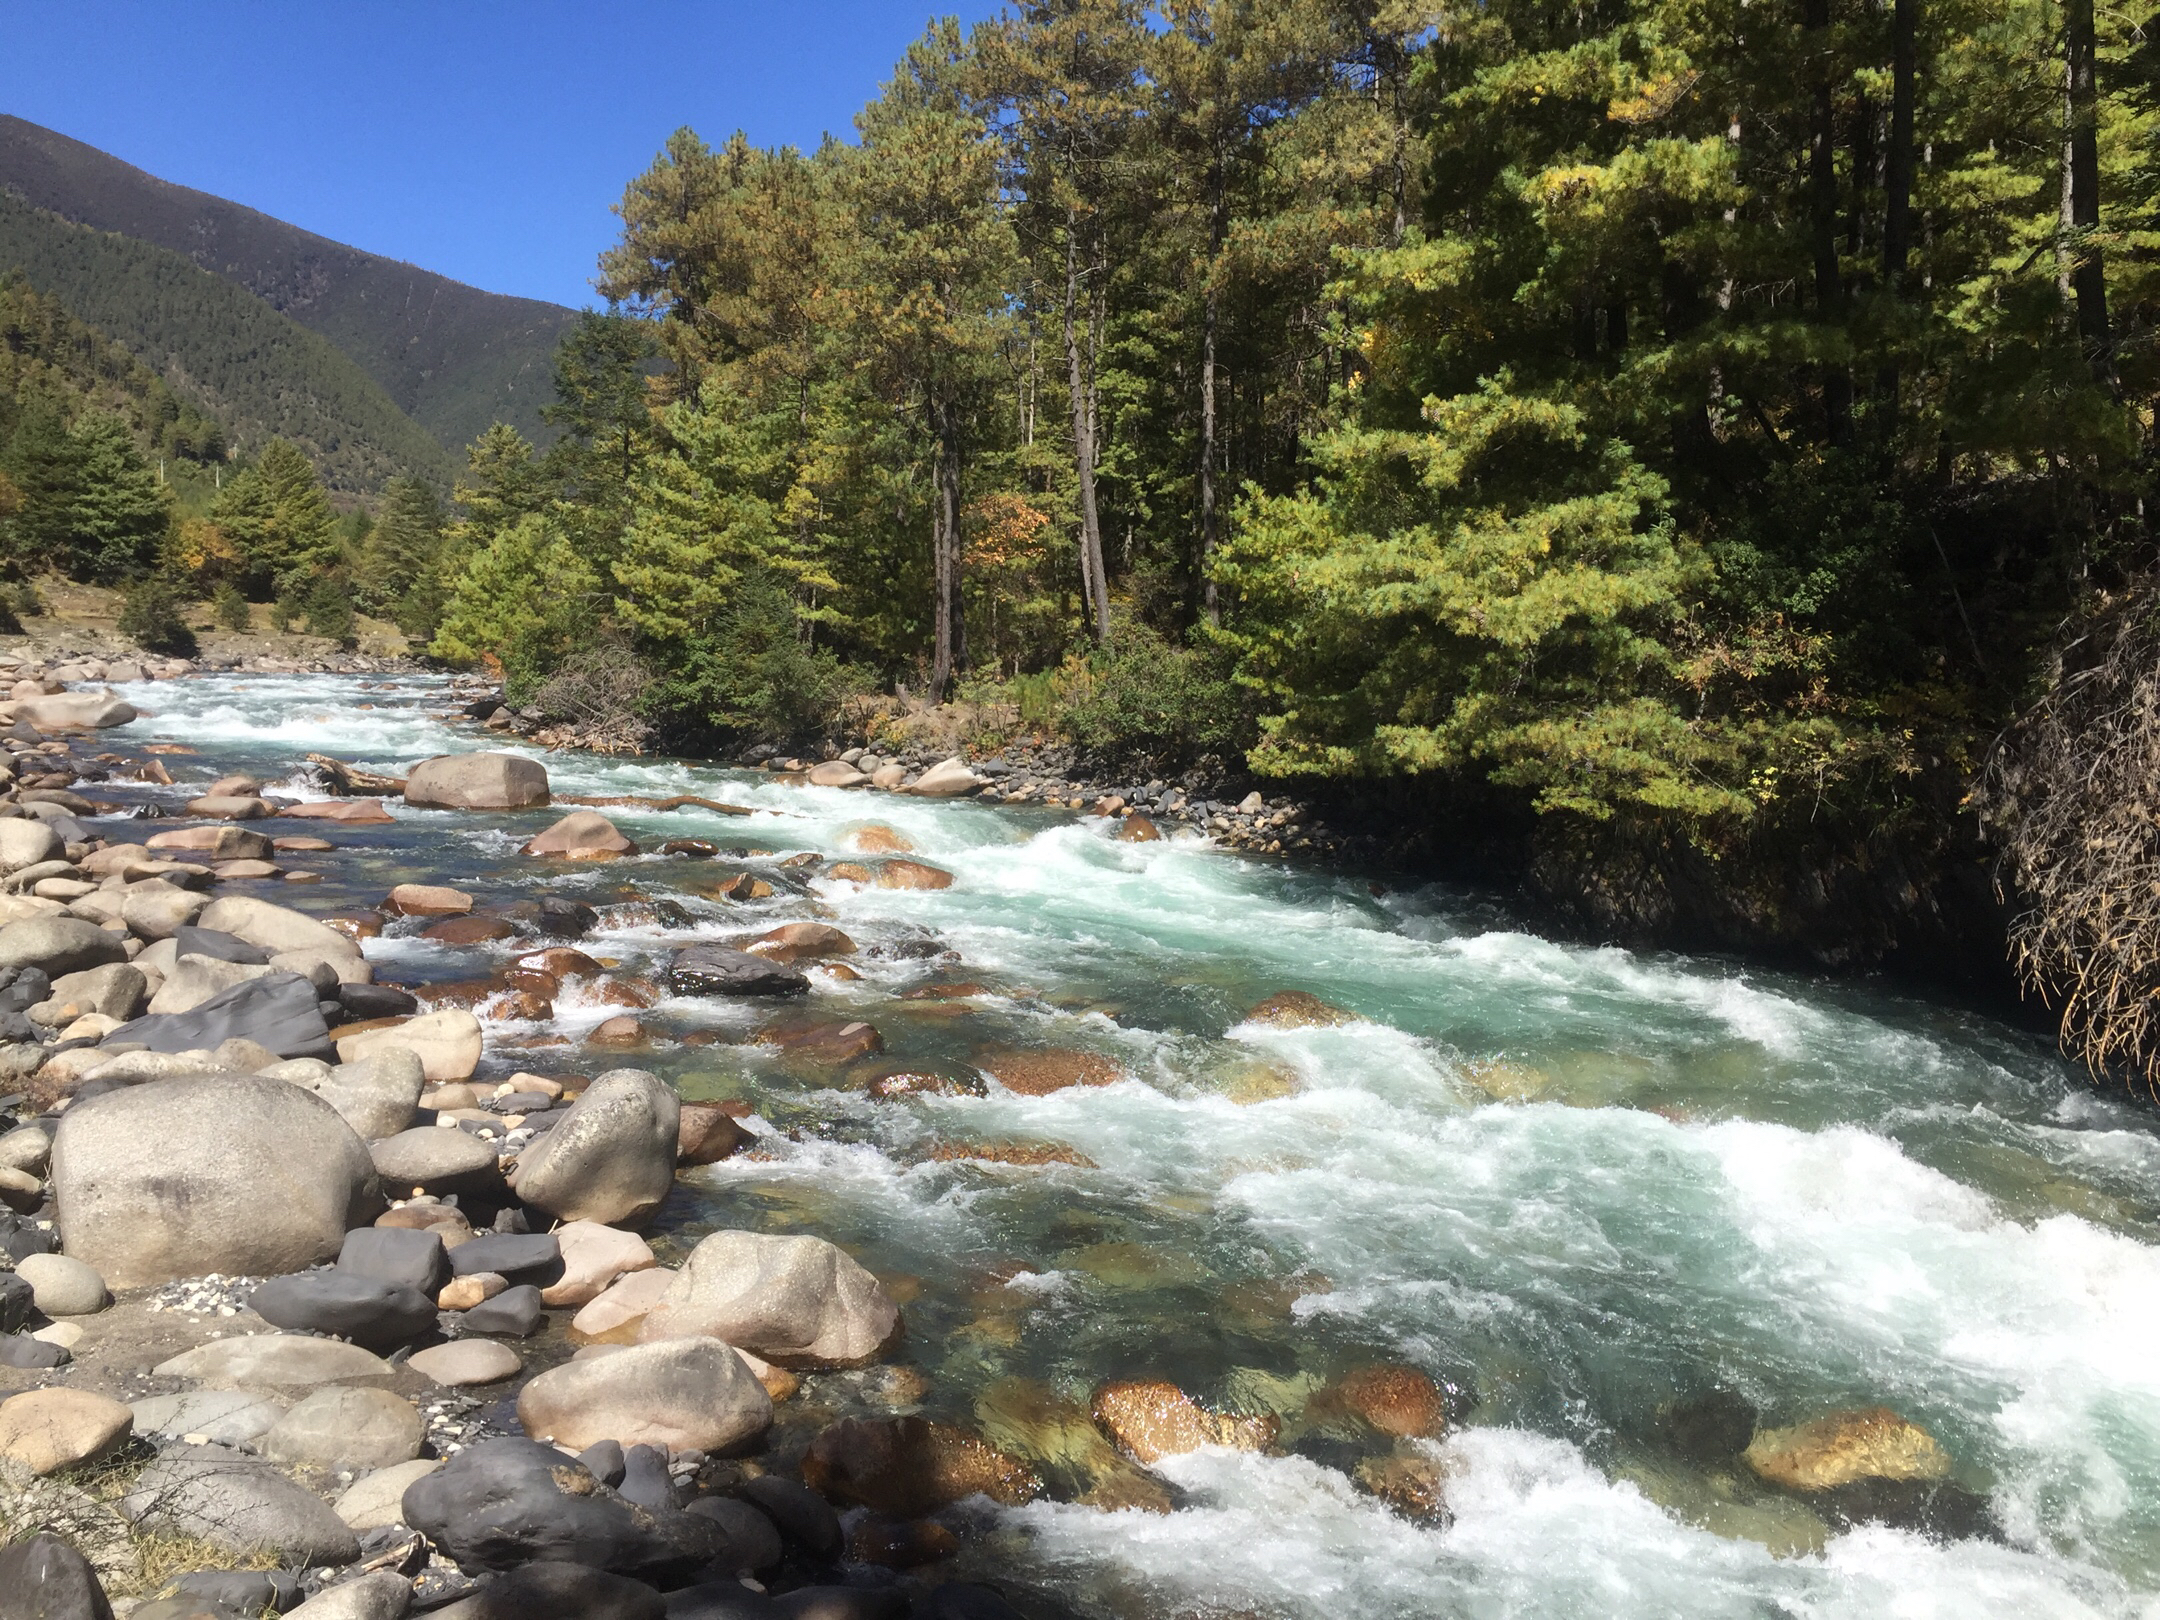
397, 1254
364, 1001
190, 940
645, 1479
520, 1257
753, 1540
804, 1517
604, 1462
238, 1503
362, 1309
566, 919
44, 1578
15, 1299
502, 1504
515, 1312
278, 1010
714, 970
553, 1588
20, 1350
720, 1600
248, 1591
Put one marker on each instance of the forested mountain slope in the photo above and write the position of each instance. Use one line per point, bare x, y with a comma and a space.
452, 357
228, 352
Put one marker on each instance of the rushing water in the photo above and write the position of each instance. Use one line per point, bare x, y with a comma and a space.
1573, 1185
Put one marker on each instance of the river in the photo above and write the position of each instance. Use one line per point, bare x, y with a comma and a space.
1574, 1185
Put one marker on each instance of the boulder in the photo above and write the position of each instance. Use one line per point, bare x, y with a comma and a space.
229, 807
1153, 1420
75, 711
463, 1293
715, 970
706, 1135
501, 1504
193, 980
154, 909
593, 1257
379, 1498
796, 1301
58, 945
62, 1285
1297, 1009
804, 1517
910, 1466
346, 1428
115, 991
947, 779
1137, 829
216, 844
278, 1011
1398, 1401
382, 1595
25, 843
582, 835
235, 1174
436, 1161
552, 1588
46, 1579
274, 1361
878, 839
614, 1317
515, 1312
838, 774
753, 1540
466, 1361
427, 900
215, 944
362, 1309
904, 874
612, 1156
523, 1257
226, 1417
275, 928
239, 1505
683, 1394
1845, 1448
803, 942
449, 1043
49, 1429
345, 812
488, 781
408, 1257
1037, 1073
377, 1095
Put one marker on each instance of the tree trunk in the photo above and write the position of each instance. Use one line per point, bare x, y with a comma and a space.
1083, 420
2081, 185
1898, 170
945, 546
1823, 206
1210, 314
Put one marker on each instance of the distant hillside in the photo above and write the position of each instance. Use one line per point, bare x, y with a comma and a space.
453, 358
241, 361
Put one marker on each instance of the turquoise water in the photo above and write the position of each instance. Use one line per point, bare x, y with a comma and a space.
1571, 1184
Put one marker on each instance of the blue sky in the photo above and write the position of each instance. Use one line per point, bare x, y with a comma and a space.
484, 140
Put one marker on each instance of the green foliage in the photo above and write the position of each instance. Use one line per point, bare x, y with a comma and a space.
521, 605
85, 501
1142, 699
151, 617
752, 673
230, 608
328, 611
403, 549
279, 522
225, 349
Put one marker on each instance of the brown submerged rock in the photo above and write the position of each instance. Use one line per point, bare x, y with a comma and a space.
1409, 1482
741, 886
1400, 1401
1151, 1421
879, 839
706, 1135
619, 1031
582, 835
1139, 830
1845, 1448
909, 1466
902, 874
1021, 1153
822, 1040
1039, 1073
896, 1083
802, 942
1298, 1009
562, 962
468, 931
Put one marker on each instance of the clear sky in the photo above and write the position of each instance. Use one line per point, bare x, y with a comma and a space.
484, 139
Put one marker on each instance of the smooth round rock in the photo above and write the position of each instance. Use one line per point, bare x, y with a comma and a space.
363, 1309
436, 1161
275, 1360
796, 1301
338, 1427
63, 1286
48, 1429
683, 1394
466, 1361
379, 1498
612, 1156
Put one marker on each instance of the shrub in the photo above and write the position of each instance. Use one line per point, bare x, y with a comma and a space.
328, 609
1145, 699
27, 601
230, 608
753, 676
151, 619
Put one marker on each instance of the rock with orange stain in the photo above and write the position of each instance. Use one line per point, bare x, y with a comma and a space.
848, 872
901, 874
1400, 1401
802, 942
1151, 1420
878, 839
1021, 1153
910, 1466
1298, 1009
1844, 1448
562, 962
1039, 1073
619, 1031
706, 1135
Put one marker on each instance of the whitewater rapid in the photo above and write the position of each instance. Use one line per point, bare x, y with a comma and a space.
1571, 1184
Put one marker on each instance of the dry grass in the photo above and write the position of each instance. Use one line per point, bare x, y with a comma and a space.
2071, 796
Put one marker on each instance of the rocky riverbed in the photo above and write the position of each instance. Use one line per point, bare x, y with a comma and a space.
448, 1179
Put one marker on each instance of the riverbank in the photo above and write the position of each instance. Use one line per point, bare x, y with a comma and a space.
1181, 1172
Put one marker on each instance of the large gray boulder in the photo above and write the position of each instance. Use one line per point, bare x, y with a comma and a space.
795, 1301
278, 1011
75, 711
237, 1174
57, 945
436, 1161
275, 1361
613, 1156
477, 782
238, 1504
25, 843
274, 928
684, 1394
383, 1595
154, 909
716, 970
338, 1427
193, 980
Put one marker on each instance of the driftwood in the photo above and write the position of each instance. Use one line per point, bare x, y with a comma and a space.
2070, 794
680, 801
349, 780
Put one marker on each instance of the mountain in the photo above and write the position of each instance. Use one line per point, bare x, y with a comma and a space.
453, 358
255, 370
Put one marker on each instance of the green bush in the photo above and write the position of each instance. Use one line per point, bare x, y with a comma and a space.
1145, 699
753, 676
230, 607
27, 601
151, 619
